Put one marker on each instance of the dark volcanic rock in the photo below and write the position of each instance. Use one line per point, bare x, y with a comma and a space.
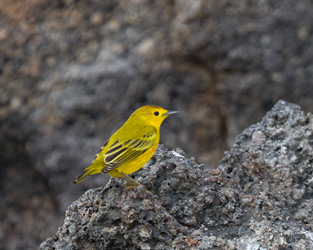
260, 197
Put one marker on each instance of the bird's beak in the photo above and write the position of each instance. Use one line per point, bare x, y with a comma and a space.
170, 112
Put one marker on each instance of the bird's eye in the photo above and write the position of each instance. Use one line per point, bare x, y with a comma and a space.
156, 113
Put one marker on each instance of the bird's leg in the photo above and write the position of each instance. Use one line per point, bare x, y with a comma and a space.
130, 182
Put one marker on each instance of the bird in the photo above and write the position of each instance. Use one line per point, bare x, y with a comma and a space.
130, 147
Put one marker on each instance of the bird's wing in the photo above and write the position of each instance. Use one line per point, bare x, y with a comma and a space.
123, 151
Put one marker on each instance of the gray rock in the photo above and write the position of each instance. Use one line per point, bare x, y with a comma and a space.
260, 197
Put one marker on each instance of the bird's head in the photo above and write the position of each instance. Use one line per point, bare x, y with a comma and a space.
153, 114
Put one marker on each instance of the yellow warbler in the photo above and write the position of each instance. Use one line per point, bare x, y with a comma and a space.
130, 147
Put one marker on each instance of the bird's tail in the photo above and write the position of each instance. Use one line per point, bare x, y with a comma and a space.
81, 176
88, 171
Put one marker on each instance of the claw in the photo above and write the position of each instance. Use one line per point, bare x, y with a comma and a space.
134, 185
131, 185
147, 191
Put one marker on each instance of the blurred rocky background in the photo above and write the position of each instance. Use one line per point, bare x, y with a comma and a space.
71, 72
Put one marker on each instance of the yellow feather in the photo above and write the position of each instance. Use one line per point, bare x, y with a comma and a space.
131, 146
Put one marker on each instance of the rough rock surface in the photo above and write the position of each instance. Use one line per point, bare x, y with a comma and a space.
260, 197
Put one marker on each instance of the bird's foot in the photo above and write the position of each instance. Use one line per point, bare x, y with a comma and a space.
134, 185
131, 185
